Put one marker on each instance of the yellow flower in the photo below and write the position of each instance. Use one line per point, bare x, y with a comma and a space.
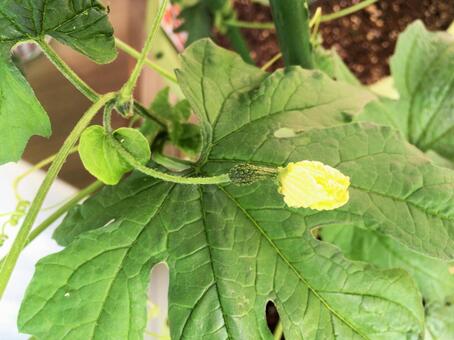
309, 184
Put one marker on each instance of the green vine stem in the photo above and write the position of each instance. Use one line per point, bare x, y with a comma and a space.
37, 166
323, 18
72, 202
239, 44
250, 25
347, 11
69, 74
291, 18
164, 176
136, 54
23, 234
128, 87
271, 62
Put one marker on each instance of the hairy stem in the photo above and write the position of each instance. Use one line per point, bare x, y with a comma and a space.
291, 18
136, 54
128, 87
69, 74
161, 175
84, 88
21, 239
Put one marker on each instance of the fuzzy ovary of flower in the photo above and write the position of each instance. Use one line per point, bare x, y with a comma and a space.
311, 184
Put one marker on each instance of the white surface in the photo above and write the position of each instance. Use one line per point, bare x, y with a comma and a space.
43, 245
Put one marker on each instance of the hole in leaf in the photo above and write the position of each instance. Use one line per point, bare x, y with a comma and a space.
157, 325
272, 318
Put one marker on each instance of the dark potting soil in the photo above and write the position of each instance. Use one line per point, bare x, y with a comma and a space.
365, 40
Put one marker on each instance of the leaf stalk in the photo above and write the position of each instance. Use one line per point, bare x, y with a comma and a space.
130, 159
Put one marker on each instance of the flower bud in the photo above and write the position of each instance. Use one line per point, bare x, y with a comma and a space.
310, 184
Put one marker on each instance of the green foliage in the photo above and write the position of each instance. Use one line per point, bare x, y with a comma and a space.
432, 275
101, 158
82, 25
196, 22
184, 135
21, 114
198, 17
230, 249
440, 323
420, 71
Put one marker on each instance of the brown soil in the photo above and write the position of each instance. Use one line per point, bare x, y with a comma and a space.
365, 40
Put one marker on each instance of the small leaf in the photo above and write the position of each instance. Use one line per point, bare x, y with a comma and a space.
160, 104
185, 136
21, 114
196, 22
331, 63
102, 160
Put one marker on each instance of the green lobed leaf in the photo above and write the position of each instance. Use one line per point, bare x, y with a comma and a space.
228, 253
421, 71
21, 114
81, 24
102, 160
433, 276
230, 249
196, 22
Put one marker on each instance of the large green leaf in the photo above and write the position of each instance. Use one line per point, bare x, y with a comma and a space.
421, 68
81, 24
230, 249
229, 253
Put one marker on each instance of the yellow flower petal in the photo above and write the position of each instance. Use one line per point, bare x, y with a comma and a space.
310, 184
